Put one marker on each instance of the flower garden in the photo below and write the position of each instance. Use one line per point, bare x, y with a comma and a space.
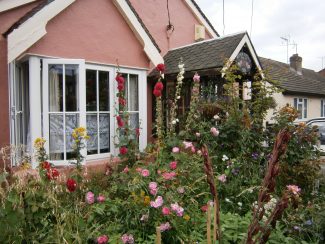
207, 179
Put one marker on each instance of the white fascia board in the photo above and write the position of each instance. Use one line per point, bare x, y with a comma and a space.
199, 16
33, 29
10, 4
244, 41
149, 48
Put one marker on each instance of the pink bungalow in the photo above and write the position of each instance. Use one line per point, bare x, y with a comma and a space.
59, 58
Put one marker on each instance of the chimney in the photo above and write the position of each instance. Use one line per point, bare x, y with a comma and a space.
296, 63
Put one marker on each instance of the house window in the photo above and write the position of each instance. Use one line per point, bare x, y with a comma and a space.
322, 108
301, 105
132, 99
98, 111
76, 94
63, 109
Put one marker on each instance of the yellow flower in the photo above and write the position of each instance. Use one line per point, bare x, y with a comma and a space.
39, 142
146, 200
142, 193
186, 217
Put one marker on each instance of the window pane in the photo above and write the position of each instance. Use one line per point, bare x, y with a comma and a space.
71, 87
91, 91
56, 140
305, 108
295, 104
55, 88
300, 111
92, 125
322, 108
103, 91
104, 133
133, 96
134, 120
71, 122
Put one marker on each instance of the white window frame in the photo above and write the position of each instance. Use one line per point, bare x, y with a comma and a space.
81, 101
302, 103
322, 107
142, 96
111, 71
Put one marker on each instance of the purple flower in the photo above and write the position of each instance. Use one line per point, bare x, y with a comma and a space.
175, 150
309, 222
255, 155
100, 198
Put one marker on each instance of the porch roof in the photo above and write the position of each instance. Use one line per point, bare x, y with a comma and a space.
204, 55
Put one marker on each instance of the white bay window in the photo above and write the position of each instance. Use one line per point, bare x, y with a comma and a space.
77, 94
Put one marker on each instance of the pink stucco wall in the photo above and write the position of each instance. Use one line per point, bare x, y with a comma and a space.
155, 16
7, 18
94, 31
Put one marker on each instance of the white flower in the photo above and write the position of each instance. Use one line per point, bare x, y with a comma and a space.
178, 97
177, 120
216, 117
240, 204
174, 122
181, 66
227, 200
224, 158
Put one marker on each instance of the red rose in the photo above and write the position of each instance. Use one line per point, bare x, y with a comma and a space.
161, 68
157, 93
52, 174
119, 78
123, 150
120, 123
121, 101
45, 165
159, 86
120, 87
71, 185
55, 173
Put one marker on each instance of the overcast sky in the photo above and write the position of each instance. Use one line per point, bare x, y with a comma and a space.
302, 20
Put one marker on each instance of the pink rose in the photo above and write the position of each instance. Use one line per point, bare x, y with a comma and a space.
222, 178
294, 189
177, 209
126, 169
145, 173
169, 175
193, 149
101, 198
187, 144
102, 239
90, 197
153, 191
165, 226
153, 185
173, 165
214, 131
157, 203
175, 150
127, 239
165, 211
